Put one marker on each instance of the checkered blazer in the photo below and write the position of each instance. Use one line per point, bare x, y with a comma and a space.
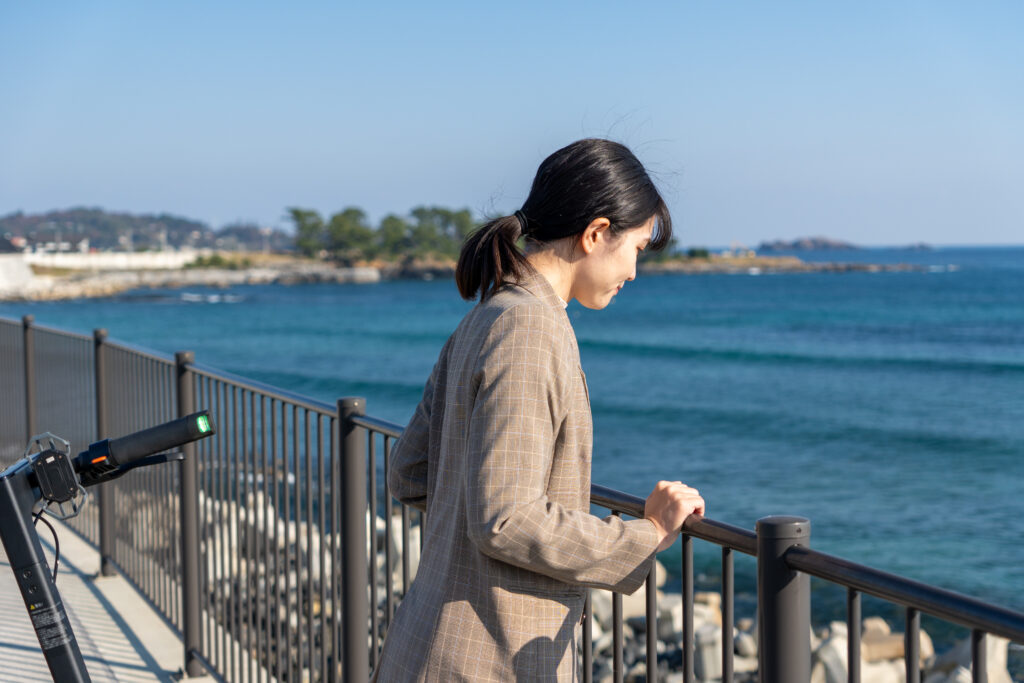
498, 454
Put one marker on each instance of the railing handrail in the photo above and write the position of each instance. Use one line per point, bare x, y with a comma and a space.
939, 602
374, 424
149, 354
719, 533
268, 390
64, 333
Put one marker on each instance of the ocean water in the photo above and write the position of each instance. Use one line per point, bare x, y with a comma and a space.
886, 407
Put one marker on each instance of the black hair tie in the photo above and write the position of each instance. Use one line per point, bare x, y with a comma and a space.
521, 217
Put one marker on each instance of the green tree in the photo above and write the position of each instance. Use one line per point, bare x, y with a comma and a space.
310, 231
349, 237
394, 236
439, 230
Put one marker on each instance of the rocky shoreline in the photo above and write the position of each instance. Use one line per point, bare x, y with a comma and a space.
49, 286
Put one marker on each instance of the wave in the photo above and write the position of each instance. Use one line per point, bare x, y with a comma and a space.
806, 359
191, 297
794, 430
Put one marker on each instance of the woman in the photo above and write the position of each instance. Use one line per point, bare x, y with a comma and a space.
498, 451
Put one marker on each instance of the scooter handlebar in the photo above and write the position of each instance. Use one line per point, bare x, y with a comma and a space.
103, 457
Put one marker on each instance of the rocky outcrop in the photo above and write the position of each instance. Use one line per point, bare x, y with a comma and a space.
807, 244
757, 265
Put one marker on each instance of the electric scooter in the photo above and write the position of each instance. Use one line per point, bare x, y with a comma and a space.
49, 480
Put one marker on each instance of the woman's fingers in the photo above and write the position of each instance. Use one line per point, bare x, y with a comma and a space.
668, 506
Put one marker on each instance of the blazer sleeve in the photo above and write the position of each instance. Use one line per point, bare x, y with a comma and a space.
407, 467
521, 400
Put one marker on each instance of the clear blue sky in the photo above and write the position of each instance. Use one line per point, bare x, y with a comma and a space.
875, 122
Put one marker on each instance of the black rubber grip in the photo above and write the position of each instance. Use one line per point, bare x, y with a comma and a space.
127, 449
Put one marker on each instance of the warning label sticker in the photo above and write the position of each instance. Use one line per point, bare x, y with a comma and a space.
52, 627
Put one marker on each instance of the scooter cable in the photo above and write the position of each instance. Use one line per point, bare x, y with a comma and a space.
56, 542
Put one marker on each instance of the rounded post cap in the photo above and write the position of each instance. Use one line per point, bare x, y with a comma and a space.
352, 405
783, 526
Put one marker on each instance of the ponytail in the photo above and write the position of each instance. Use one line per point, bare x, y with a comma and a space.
490, 258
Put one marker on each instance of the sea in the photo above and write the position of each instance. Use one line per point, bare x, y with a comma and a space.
886, 407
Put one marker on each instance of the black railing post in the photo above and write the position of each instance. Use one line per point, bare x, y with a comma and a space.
106, 491
30, 376
355, 657
783, 602
189, 523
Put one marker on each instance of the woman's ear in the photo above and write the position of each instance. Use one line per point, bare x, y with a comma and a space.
594, 233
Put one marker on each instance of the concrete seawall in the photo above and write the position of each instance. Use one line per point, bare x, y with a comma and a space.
19, 283
110, 260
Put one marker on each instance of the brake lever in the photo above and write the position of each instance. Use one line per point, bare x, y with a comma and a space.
103, 476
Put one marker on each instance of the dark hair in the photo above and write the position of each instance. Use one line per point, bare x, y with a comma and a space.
586, 180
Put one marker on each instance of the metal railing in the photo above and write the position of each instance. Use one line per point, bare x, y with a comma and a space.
265, 549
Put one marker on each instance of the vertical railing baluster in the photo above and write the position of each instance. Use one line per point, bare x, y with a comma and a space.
687, 571
406, 523
912, 646
283, 520
221, 572
337, 494
979, 662
389, 559
205, 538
372, 532
652, 623
106, 491
274, 514
310, 615
618, 665
300, 446
423, 530
252, 576
28, 335
323, 451
853, 619
292, 517
236, 487
728, 613
588, 639
263, 634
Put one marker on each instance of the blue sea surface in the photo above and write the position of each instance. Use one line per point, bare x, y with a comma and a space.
886, 407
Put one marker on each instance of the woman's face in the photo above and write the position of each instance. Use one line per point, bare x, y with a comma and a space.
608, 262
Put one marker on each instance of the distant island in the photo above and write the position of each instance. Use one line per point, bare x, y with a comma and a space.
824, 244
807, 244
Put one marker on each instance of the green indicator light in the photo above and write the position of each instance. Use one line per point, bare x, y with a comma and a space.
203, 422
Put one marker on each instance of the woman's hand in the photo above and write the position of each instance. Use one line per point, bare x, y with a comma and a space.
668, 506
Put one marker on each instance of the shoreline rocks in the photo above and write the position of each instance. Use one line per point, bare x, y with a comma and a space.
18, 283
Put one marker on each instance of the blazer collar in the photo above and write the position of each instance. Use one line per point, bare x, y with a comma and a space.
538, 285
